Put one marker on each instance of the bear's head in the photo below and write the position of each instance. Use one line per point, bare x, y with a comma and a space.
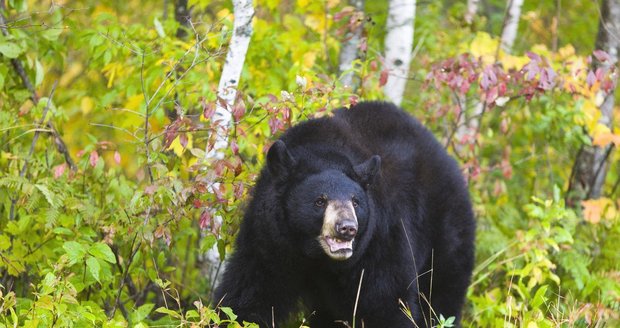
327, 209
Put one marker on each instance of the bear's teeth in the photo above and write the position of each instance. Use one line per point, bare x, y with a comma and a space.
336, 244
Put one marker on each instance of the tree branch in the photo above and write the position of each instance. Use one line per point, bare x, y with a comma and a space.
19, 69
22, 172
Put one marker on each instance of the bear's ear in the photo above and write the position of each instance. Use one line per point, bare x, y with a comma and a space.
367, 170
279, 160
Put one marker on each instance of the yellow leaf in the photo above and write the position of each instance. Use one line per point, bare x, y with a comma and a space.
316, 22
541, 50
223, 14
513, 62
178, 148
332, 3
110, 71
605, 138
532, 324
595, 209
134, 102
86, 105
309, 59
484, 46
73, 71
591, 115
566, 51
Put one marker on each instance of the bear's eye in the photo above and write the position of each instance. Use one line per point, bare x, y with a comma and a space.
320, 202
355, 202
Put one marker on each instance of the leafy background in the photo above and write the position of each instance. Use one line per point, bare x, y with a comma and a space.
117, 234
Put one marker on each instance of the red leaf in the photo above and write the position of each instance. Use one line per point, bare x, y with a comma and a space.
94, 157
234, 147
238, 110
149, 190
205, 219
383, 78
238, 189
601, 55
590, 79
275, 125
59, 170
286, 114
374, 65
207, 109
533, 56
117, 157
183, 139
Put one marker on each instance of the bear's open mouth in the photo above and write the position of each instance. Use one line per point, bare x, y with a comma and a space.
338, 245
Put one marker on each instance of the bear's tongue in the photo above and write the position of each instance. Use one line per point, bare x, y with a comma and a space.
336, 244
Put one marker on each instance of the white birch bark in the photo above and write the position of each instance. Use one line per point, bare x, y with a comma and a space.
472, 9
227, 89
592, 163
350, 50
511, 25
227, 92
398, 47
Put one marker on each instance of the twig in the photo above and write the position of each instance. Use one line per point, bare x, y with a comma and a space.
457, 121
17, 65
19, 69
415, 268
357, 297
117, 302
146, 121
22, 172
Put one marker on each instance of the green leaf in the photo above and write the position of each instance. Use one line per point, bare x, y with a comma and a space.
159, 28
192, 314
52, 33
5, 242
168, 312
229, 313
10, 49
142, 312
102, 251
62, 231
19, 5
539, 297
39, 73
75, 251
93, 267
49, 196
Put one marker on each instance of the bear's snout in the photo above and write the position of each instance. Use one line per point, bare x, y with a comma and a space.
346, 229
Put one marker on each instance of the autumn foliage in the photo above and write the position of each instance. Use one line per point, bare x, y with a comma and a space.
110, 202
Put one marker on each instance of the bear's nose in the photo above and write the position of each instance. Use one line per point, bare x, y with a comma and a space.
346, 229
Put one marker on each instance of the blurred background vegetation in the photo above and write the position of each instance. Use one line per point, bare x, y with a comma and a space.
109, 201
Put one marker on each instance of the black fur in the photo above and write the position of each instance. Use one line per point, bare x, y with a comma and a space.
413, 204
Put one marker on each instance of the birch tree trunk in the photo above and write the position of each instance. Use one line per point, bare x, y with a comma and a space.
351, 48
591, 164
398, 47
472, 9
227, 92
229, 80
511, 24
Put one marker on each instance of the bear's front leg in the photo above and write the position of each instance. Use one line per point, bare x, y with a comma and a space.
256, 292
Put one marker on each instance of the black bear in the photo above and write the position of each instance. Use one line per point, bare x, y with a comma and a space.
362, 212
